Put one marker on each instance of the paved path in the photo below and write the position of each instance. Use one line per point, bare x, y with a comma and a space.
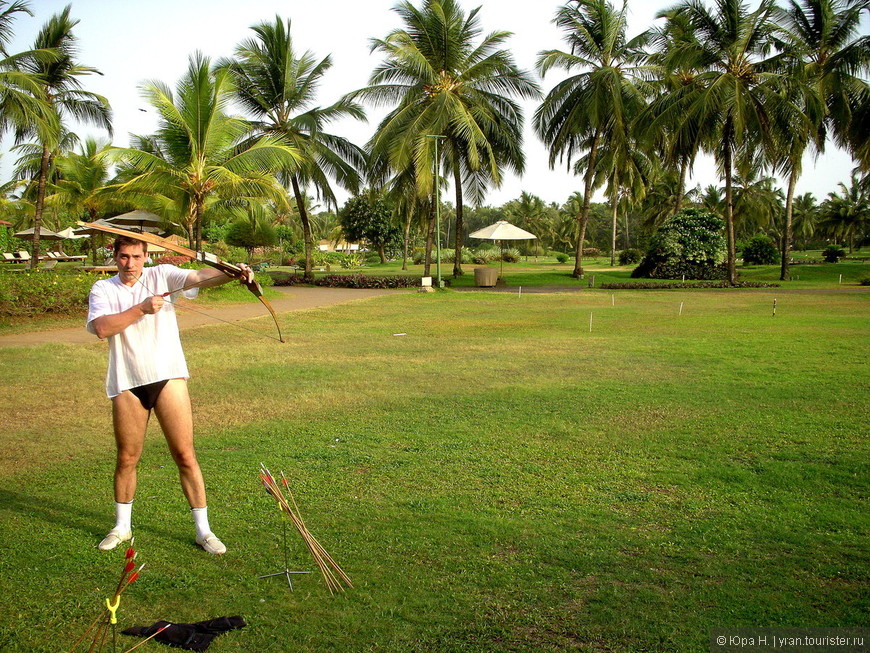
295, 299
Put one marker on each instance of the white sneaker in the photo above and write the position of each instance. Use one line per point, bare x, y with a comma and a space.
113, 539
211, 544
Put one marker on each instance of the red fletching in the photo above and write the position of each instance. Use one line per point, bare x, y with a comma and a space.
285, 483
131, 553
133, 577
129, 566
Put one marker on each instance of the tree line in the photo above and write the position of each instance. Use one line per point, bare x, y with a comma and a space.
246, 138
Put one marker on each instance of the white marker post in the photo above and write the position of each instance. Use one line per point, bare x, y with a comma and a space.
681, 308
590, 321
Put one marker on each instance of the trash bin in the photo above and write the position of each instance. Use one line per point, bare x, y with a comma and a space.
485, 277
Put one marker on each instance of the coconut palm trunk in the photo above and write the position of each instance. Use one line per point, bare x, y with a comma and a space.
614, 215
40, 204
460, 228
306, 226
587, 201
784, 271
729, 199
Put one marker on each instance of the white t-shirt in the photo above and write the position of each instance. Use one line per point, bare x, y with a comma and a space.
149, 350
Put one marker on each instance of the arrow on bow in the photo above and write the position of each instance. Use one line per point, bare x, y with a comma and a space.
204, 257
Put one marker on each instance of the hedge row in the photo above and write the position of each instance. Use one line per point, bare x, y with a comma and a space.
346, 281
645, 285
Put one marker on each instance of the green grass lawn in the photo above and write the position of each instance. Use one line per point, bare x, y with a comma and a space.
498, 478
546, 271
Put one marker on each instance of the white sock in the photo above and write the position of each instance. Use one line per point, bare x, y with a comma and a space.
200, 520
123, 517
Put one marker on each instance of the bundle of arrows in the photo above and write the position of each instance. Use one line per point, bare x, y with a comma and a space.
331, 572
108, 618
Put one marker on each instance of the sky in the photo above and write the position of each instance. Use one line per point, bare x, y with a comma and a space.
131, 42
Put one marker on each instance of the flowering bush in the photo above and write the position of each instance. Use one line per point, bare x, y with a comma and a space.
24, 294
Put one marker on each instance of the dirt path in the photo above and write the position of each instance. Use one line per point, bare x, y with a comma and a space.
295, 299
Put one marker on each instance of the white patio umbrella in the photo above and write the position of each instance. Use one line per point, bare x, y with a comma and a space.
44, 234
69, 232
502, 231
145, 220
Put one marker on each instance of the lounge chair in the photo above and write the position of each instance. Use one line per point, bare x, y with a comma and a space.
22, 256
48, 264
9, 258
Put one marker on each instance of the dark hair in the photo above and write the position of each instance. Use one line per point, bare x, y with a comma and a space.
120, 241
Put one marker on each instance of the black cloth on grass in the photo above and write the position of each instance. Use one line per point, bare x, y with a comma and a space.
191, 637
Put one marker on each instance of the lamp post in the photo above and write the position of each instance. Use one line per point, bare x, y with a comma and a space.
437, 138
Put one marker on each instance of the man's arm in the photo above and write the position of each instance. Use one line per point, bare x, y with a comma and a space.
110, 325
208, 277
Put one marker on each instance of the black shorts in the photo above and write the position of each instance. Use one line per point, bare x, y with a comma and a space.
147, 394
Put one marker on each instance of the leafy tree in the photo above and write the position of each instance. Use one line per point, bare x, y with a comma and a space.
447, 85
279, 87
690, 243
368, 218
199, 154
252, 231
590, 107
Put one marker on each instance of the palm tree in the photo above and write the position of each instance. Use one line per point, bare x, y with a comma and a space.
678, 143
823, 60
758, 202
80, 186
735, 102
805, 214
597, 104
529, 212
199, 154
846, 215
279, 88
461, 92
63, 92
22, 99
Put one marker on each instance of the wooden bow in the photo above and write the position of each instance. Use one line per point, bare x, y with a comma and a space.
204, 257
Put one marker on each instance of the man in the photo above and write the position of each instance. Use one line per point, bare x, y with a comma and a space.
146, 372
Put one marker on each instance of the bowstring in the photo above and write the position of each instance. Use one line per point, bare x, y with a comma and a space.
193, 310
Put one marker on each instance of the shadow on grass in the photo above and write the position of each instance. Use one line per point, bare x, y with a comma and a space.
57, 513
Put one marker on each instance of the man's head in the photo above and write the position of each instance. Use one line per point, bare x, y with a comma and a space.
130, 257
120, 241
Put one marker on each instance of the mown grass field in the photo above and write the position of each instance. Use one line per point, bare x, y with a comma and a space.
496, 478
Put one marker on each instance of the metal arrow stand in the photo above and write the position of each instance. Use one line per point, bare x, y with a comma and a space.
286, 571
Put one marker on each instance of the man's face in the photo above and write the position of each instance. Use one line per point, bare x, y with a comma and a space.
130, 259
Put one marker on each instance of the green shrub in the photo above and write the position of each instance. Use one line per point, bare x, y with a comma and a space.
689, 244
833, 253
630, 256
24, 294
511, 255
760, 250
364, 281
649, 285
561, 257
485, 255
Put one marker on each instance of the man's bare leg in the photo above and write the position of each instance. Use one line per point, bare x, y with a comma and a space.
130, 419
176, 419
